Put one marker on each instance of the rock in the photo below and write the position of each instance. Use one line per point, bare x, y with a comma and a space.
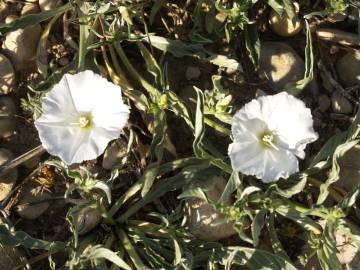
87, 219
30, 205
20, 46
282, 25
348, 68
10, 18
324, 103
348, 253
202, 217
280, 64
30, 8
192, 73
114, 154
350, 169
4, 10
340, 104
63, 61
7, 181
7, 119
7, 76
49, 4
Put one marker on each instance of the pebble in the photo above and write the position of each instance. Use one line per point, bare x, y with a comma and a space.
114, 154
27, 207
348, 68
282, 25
324, 103
49, 4
192, 73
7, 181
20, 46
4, 10
202, 217
350, 169
340, 104
30, 8
7, 76
7, 119
280, 64
87, 219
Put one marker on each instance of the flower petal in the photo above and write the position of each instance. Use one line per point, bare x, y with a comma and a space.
278, 164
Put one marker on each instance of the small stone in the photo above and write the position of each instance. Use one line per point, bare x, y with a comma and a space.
7, 76
87, 219
32, 203
348, 68
49, 4
282, 25
324, 103
203, 218
7, 181
10, 18
192, 73
7, 119
114, 154
340, 104
30, 8
4, 10
63, 61
20, 46
280, 64
350, 169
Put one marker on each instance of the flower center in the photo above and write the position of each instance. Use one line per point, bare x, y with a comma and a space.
267, 139
84, 121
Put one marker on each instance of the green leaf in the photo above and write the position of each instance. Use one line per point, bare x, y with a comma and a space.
151, 64
297, 87
252, 43
255, 259
97, 252
19, 238
297, 188
193, 193
181, 49
41, 52
33, 19
335, 170
290, 212
231, 186
257, 225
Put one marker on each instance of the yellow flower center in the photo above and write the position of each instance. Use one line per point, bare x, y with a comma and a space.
84, 121
267, 139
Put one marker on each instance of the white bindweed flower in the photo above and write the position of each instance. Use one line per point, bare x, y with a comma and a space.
81, 115
269, 134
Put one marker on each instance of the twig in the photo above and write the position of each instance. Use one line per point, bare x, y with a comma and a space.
4, 169
338, 36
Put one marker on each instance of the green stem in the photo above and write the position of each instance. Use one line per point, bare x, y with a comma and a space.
151, 89
131, 250
82, 41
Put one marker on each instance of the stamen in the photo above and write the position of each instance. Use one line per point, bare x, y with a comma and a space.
268, 140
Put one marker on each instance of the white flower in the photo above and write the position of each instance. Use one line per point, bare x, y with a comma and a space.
269, 134
81, 115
